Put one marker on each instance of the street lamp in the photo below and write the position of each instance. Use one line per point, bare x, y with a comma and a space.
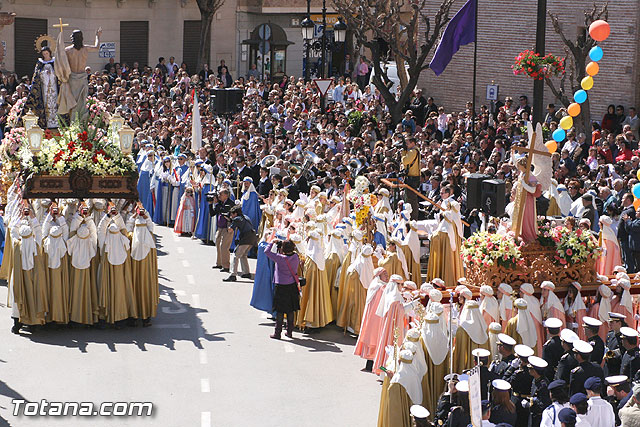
308, 27
29, 120
116, 122
35, 136
125, 135
340, 31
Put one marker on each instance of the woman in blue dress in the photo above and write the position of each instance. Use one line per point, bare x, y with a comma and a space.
203, 226
144, 182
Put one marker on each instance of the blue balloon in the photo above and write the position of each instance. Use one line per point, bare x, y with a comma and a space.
559, 135
636, 191
596, 53
580, 96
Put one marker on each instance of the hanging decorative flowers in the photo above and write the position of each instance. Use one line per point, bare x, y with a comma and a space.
538, 67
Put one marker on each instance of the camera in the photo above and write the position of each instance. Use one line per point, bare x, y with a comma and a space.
402, 144
211, 196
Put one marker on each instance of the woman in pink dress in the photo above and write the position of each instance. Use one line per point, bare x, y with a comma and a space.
391, 310
371, 323
529, 227
608, 242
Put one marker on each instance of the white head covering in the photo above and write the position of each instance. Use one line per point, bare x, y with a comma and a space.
142, 241
451, 222
55, 247
605, 302
407, 377
297, 240
251, 189
413, 241
533, 304
525, 326
505, 300
434, 338
336, 244
626, 300
578, 303
376, 284
489, 303
315, 249
552, 299
391, 294
473, 323
419, 359
401, 257
607, 231
29, 247
363, 265
82, 248
115, 245
356, 244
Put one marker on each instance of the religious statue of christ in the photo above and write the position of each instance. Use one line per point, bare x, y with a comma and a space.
73, 77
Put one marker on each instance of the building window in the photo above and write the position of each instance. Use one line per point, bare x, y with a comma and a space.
26, 31
191, 44
134, 42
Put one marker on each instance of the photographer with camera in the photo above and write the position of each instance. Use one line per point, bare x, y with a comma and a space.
220, 206
411, 166
246, 240
286, 299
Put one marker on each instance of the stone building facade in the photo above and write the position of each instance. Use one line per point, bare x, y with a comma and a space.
505, 28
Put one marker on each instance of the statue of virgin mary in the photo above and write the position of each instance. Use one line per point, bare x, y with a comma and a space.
43, 96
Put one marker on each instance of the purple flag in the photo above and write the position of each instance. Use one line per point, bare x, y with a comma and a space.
461, 30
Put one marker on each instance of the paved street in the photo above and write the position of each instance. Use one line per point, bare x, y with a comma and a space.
206, 361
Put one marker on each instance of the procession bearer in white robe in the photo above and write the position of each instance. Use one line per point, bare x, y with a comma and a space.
55, 250
116, 298
82, 248
144, 266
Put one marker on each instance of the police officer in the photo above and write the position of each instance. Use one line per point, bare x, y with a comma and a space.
621, 393
411, 164
482, 358
567, 361
631, 357
444, 404
613, 349
585, 368
540, 397
502, 411
591, 328
460, 415
552, 350
518, 375
505, 348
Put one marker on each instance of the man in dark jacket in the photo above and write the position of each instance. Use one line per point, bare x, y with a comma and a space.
632, 227
623, 235
245, 240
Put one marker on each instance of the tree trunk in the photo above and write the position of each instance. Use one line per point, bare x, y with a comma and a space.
205, 34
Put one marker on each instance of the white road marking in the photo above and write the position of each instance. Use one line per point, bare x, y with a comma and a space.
205, 419
175, 237
185, 263
205, 387
171, 325
196, 299
180, 292
190, 279
165, 297
264, 315
203, 356
288, 348
180, 249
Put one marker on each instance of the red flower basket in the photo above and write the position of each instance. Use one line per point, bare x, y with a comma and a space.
538, 67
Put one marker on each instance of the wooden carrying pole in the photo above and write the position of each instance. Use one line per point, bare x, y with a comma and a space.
389, 182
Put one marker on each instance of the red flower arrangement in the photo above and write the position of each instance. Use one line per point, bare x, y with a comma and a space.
538, 67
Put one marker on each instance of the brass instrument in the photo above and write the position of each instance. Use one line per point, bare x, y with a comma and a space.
354, 164
268, 161
310, 159
612, 354
294, 169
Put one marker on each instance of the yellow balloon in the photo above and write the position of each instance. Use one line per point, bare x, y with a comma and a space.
587, 83
573, 109
638, 173
552, 146
566, 122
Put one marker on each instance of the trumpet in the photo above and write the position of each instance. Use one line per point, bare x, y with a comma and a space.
354, 164
612, 354
294, 169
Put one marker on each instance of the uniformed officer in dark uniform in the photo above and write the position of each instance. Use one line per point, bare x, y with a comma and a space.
567, 361
486, 376
552, 350
613, 348
444, 404
631, 357
621, 393
585, 368
500, 412
518, 375
540, 397
505, 348
460, 415
591, 328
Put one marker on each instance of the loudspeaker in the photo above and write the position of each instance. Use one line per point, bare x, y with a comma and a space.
493, 197
226, 101
474, 190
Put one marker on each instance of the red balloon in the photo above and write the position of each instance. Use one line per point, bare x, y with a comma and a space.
599, 30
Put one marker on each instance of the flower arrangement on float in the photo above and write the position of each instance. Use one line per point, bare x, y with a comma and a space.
485, 249
538, 67
77, 147
98, 114
13, 119
361, 199
574, 247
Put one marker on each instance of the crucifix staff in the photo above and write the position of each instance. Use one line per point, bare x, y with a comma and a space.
60, 25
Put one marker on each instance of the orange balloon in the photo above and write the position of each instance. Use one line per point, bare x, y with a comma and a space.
573, 109
551, 145
599, 30
636, 204
592, 68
